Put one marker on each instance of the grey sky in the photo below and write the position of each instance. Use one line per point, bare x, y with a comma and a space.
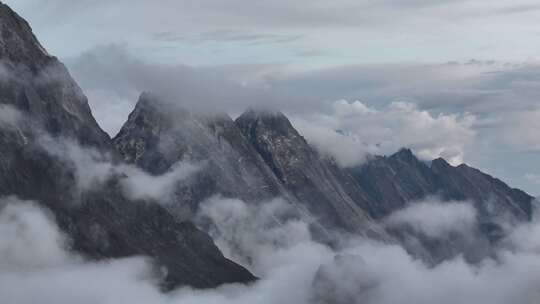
206, 32
303, 56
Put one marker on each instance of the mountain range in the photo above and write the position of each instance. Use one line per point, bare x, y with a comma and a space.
255, 158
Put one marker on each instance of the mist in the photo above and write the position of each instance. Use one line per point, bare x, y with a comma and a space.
93, 168
292, 266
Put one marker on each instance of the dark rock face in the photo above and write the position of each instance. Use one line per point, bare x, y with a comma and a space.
101, 222
328, 193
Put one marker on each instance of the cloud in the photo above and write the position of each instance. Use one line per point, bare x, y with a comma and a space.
9, 116
29, 238
196, 88
93, 168
140, 185
257, 236
535, 178
249, 38
35, 264
429, 27
435, 218
463, 105
523, 123
351, 131
294, 268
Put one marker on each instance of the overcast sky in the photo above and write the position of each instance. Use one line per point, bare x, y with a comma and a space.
458, 79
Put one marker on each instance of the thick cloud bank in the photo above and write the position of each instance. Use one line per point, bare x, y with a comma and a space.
292, 266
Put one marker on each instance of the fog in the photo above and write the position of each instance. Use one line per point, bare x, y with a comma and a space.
292, 266
435, 218
93, 168
9, 116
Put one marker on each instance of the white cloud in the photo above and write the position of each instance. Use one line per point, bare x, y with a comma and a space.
9, 116
519, 129
93, 168
353, 130
435, 218
287, 257
262, 237
138, 184
29, 238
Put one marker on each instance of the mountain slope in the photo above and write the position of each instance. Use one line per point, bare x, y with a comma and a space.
40, 101
159, 134
328, 193
401, 178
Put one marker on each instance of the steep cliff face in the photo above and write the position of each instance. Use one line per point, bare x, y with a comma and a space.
39, 100
159, 134
327, 192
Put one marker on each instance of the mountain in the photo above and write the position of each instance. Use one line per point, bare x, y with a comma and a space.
402, 180
257, 157
328, 192
158, 134
40, 102
235, 163
396, 180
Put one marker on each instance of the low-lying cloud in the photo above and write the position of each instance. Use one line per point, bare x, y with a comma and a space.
93, 168
9, 116
29, 237
435, 218
293, 267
